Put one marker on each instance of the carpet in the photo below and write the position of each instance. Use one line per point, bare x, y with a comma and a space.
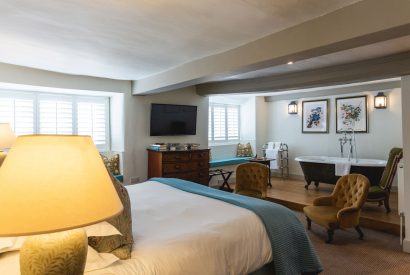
378, 253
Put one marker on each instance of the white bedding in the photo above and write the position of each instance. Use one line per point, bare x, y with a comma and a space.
176, 232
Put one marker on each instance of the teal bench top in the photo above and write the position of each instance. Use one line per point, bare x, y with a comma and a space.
228, 161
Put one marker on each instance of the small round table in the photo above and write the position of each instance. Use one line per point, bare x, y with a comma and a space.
264, 161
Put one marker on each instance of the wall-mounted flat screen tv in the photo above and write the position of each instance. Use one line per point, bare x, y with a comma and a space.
172, 120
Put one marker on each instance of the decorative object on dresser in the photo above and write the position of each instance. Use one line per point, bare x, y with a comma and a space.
192, 165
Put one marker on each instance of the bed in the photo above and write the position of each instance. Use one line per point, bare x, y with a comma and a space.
179, 232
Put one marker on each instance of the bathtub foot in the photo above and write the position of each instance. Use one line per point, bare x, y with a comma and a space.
317, 184
308, 182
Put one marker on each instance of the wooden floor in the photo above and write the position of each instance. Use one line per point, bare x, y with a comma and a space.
292, 194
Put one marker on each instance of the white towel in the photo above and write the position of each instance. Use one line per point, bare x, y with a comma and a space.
271, 145
273, 154
342, 168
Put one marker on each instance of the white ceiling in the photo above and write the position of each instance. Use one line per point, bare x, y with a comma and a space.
131, 39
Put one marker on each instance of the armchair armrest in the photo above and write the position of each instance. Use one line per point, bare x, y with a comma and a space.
323, 201
345, 211
348, 217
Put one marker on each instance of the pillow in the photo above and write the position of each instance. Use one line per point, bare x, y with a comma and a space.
97, 260
119, 245
8, 244
244, 150
112, 164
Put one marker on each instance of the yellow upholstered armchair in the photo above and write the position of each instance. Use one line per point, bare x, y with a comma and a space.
252, 180
342, 208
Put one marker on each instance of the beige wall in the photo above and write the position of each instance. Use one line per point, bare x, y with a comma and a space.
385, 130
137, 127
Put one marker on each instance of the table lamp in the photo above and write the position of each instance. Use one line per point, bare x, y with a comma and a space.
54, 184
7, 138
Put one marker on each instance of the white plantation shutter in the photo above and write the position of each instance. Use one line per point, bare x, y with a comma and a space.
41, 113
56, 116
19, 112
233, 122
219, 123
93, 121
223, 122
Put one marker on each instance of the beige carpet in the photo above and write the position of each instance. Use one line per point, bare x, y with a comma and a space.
378, 253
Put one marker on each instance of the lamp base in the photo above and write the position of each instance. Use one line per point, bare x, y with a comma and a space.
54, 254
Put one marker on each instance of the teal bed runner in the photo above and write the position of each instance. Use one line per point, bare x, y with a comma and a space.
292, 251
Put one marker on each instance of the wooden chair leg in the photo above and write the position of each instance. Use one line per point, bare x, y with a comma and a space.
309, 223
386, 204
361, 235
330, 233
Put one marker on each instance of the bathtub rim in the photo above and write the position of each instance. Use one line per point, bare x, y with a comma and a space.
333, 160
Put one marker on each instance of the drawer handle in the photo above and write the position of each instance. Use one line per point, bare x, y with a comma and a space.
177, 157
177, 167
201, 164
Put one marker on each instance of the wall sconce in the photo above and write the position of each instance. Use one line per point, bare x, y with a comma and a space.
292, 108
380, 101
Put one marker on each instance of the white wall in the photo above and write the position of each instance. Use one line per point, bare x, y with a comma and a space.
137, 127
406, 159
221, 150
385, 130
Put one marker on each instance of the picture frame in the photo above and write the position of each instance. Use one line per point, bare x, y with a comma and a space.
352, 113
315, 116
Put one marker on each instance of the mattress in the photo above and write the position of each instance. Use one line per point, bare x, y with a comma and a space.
176, 232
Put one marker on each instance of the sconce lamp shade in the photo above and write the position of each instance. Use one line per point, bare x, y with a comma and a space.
380, 101
52, 183
7, 136
293, 108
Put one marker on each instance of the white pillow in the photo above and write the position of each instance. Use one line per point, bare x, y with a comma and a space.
99, 229
97, 260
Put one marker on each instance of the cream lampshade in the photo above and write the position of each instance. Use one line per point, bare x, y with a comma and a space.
7, 136
52, 183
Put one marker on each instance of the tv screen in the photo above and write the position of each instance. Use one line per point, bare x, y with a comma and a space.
172, 120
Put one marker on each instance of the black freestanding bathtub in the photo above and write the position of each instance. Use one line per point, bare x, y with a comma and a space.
322, 169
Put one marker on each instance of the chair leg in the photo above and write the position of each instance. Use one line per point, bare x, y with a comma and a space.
386, 204
309, 223
330, 233
361, 235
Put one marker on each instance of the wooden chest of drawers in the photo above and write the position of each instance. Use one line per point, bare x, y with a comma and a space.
188, 165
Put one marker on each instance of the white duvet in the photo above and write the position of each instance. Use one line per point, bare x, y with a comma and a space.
176, 232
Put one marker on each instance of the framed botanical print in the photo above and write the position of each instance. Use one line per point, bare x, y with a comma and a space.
351, 113
315, 116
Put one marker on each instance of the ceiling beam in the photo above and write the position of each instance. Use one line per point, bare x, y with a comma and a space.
362, 71
363, 23
382, 86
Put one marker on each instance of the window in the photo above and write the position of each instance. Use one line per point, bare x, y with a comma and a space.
223, 122
40, 113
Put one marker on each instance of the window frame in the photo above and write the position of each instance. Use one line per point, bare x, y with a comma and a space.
211, 134
73, 98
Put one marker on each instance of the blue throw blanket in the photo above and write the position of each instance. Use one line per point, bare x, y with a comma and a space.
292, 251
